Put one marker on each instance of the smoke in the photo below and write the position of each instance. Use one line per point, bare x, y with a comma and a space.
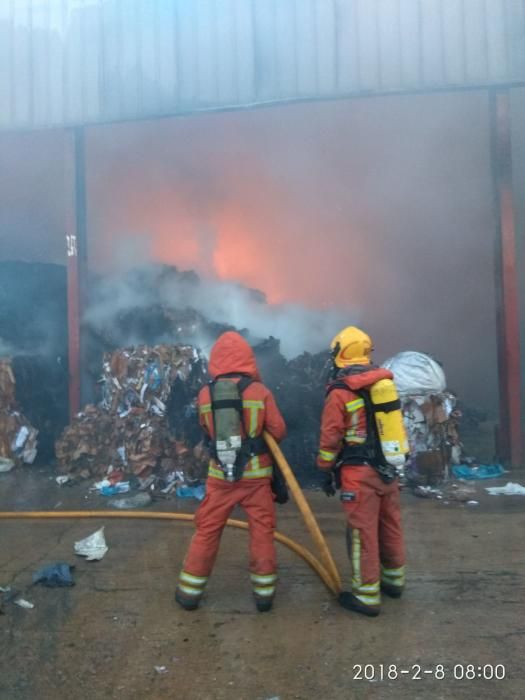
218, 302
377, 212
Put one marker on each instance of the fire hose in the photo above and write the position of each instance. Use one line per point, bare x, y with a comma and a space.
327, 570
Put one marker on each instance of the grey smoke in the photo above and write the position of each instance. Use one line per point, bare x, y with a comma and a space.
297, 327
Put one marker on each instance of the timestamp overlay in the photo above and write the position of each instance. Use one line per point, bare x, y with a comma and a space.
422, 679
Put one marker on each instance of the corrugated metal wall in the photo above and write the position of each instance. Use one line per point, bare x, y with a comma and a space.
85, 61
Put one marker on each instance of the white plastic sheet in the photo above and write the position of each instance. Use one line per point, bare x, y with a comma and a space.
510, 489
416, 373
93, 547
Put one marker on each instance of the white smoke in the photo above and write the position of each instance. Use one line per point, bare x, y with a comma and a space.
222, 302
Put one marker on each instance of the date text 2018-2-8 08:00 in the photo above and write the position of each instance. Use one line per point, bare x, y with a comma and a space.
392, 672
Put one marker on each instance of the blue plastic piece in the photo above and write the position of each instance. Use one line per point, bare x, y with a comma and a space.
197, 492
481, 471
55, 575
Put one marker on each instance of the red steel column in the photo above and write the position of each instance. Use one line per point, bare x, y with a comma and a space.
76, 260
510, 430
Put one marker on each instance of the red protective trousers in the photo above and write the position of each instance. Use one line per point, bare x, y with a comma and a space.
374, 535
256, 498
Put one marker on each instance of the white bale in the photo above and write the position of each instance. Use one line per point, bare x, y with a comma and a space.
416, 374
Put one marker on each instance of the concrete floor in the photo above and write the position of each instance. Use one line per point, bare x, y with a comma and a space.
464, 604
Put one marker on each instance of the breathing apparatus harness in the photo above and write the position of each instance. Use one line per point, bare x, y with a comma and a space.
370, 452
232, 448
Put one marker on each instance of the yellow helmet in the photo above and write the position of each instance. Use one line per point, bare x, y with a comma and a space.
351, 346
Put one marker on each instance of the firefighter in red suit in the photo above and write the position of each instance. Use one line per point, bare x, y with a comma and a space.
232, 359
369, 490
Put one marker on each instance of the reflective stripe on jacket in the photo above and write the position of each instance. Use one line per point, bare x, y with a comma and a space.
344, 416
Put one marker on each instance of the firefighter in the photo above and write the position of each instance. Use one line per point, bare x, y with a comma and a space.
351, 458
234, 409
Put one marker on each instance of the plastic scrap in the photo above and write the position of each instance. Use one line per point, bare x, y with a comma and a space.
22, 603
416, 373
161, 669
481, 471
93, 547
6, 464
55, 575
139, 500
121, 487
510, 489
64, 479
185, 491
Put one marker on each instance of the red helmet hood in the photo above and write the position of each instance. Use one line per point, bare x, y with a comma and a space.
232, 353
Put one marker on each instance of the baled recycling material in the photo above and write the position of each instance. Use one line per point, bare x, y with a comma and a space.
18, 438
430, 414
146, 419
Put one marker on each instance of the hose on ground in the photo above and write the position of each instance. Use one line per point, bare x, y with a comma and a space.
306, 512
308, 557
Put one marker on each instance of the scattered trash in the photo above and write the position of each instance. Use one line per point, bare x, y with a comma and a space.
55, 575
427, 492
459, 492
6, 464
161, 669
510, 489
480, 471
472, 503
121, 487
64, 479
185, 491
22, 603
139, 500
93, 547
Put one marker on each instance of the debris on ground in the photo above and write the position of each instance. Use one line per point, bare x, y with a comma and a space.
6, 465
93, 547
161, 670
55, 575
478, 471
139, 500
146, 421
22, 603
459, 492
510, 489
197, 492
427, 492
18, 438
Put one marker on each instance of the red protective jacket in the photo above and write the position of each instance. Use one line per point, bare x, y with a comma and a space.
231, 353
344, 415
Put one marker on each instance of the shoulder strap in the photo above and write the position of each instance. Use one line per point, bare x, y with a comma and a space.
337, 385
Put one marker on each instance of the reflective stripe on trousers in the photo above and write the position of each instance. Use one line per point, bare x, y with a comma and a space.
263, 584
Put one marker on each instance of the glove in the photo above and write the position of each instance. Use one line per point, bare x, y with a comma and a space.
279, 487
327, 482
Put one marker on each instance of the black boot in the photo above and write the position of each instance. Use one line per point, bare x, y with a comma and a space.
185, 602
263, 604
392, 591
348, 601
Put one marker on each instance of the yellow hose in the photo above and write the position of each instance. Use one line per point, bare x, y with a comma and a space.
145, 515
306, 512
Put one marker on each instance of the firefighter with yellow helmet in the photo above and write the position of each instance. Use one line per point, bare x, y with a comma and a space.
363, 447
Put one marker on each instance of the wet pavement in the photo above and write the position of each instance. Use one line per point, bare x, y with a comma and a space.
103, 638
